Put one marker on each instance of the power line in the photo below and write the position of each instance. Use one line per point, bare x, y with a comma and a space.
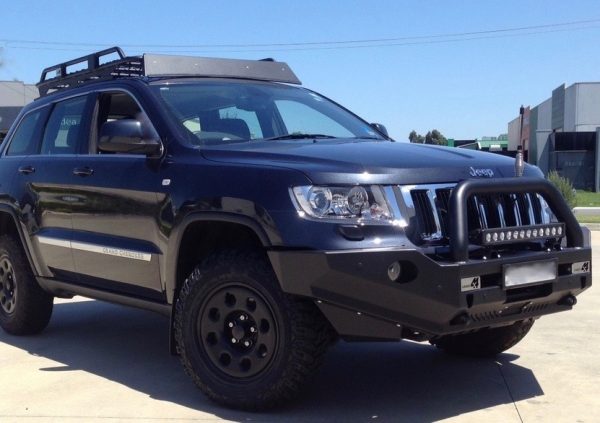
329, 47
377, 42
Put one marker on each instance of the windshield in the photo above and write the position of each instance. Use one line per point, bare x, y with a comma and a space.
217, 112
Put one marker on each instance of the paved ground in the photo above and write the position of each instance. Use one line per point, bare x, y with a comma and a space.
99, 362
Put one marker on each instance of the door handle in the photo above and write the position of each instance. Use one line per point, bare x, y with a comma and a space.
26, 170
83, 171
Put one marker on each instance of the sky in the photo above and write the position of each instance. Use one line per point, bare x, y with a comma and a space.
424, 74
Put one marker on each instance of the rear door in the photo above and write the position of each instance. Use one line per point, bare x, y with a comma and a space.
43, 186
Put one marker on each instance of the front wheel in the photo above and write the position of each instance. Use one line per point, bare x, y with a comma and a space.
245, 343
25, 308
485, 342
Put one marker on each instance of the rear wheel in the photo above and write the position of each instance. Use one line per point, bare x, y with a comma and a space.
485, 342
25, 308
245, 343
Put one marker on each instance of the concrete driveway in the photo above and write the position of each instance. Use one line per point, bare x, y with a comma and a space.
100, 362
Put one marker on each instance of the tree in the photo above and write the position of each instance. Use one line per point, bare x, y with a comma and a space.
432, 137
416, 138
436, 137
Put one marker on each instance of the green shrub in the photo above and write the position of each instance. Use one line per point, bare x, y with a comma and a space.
564, 186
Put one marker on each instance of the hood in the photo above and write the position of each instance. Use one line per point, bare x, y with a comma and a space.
359, 161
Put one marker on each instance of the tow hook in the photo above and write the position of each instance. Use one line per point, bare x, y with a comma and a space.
569, 300
461, 319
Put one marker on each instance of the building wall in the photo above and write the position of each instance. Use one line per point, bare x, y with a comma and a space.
570, 108
16, 93
567, 115
558, 108
13, 96
544, 120
514, 129
532, 136
542, 131
587, 107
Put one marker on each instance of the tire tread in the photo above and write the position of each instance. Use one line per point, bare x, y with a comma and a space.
310, 337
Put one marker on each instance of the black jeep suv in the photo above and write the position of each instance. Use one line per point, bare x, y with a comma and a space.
266, 221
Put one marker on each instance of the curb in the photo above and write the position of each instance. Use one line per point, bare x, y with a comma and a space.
592, 226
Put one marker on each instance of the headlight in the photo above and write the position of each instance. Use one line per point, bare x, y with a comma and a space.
357, 203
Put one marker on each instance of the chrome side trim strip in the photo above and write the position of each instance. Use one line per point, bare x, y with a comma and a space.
111, 251
95, 248
54, 241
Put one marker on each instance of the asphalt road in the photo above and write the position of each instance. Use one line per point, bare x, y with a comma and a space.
101, 362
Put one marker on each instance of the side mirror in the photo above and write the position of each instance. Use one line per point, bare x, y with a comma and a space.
127, 136
380, 128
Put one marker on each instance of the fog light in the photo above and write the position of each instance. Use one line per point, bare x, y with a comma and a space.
534, 233
488, 237
559, 231
553, 231
394, 271
501, 236
547, 231
495, 236
509, 235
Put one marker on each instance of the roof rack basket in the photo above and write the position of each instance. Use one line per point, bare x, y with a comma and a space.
93, 68
90, 68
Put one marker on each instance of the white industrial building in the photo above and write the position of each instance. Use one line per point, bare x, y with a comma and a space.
13, 96
561, 133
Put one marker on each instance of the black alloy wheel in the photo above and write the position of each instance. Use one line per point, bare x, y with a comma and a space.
238, 331
8, 286
245, 342
25, 308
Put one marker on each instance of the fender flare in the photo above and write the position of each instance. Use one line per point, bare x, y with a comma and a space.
170, 263
174, 243
25, 241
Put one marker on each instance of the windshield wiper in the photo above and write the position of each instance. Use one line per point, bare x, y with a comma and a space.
298, 136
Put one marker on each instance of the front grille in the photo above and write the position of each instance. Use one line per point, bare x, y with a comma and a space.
427, 208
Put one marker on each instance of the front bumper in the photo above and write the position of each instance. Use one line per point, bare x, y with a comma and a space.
355, 293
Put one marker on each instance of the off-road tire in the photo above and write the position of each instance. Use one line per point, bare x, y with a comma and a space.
485, 342
25, 308
295, 341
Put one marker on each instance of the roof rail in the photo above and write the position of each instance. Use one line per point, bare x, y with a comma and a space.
91, 68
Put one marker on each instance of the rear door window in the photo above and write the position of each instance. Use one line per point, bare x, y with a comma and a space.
64, 128
26, 137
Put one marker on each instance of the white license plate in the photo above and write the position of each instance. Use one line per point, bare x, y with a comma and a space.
528, 273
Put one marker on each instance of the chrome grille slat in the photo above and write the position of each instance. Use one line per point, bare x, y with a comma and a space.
427, 208
530, 209
500, 209
431, 196
516, 210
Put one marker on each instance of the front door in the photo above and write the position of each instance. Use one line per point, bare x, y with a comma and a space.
116, 221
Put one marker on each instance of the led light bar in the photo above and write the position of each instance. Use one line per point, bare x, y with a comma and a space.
521, 233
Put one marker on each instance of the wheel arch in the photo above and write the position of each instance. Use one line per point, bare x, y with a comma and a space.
212, 231
9, 224
204, 227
